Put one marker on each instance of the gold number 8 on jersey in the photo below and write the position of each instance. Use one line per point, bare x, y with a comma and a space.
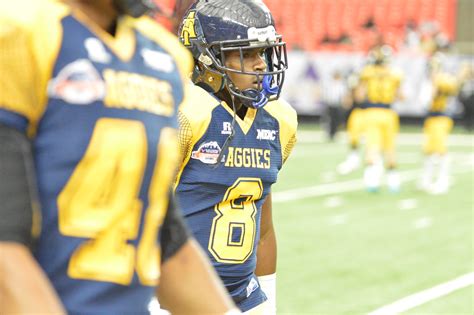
233, 229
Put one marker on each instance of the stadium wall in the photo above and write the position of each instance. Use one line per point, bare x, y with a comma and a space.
307, 71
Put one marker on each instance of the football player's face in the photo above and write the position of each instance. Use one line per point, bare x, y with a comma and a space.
253, 60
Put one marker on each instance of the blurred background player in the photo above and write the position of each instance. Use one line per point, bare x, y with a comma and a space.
381, 84
88, 99
438, 124
466, 94
354, 126
336, 97
235, 135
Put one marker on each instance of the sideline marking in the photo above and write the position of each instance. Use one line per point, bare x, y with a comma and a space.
408, 204
306, 136
333, 188
351, 185
422, 297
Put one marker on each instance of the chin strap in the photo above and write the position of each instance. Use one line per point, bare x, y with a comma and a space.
258, 99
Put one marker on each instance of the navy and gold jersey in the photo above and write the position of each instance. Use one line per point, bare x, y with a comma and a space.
438, 124
382, 84
101, 114
222, 202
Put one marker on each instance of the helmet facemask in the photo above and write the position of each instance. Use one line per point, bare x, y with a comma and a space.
269, 81
212, 73
214, 29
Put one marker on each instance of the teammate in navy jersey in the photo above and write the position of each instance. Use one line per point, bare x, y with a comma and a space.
235, 135
88, 99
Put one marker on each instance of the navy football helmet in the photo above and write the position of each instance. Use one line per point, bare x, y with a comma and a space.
211, 28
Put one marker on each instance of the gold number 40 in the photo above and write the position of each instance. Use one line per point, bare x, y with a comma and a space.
100, 202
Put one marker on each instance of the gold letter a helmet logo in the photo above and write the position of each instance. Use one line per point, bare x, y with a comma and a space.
188, 31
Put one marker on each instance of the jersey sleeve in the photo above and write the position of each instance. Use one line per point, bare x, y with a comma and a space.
289, 147
288, 131
28, 41
17, 97
185, 135
194, 116
288, 120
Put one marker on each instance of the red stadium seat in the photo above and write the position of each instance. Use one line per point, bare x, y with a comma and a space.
306, 23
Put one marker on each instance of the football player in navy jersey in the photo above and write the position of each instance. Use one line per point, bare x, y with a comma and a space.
88, 103
235, 135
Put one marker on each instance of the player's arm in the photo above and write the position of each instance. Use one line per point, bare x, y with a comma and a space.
188, 284
23, 286
267, 254
267, 247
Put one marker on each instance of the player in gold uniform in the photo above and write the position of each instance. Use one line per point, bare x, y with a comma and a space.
381, 84
89, 92
436, 129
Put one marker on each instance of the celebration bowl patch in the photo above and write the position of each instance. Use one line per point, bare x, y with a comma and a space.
78, 83
207, 152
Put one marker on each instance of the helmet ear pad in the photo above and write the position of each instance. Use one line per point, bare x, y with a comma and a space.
209, 80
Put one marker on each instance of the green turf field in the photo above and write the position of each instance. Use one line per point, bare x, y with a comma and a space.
346, 251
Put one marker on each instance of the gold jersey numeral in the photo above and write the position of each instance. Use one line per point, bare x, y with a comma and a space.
100, 203
233, 229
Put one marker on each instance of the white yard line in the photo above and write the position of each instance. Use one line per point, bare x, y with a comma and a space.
352, 185
332, 188
403, 138
422, 297
414, 300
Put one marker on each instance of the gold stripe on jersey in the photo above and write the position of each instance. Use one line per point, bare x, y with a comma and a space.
29, 44
246, 123
288, 120
194, 116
